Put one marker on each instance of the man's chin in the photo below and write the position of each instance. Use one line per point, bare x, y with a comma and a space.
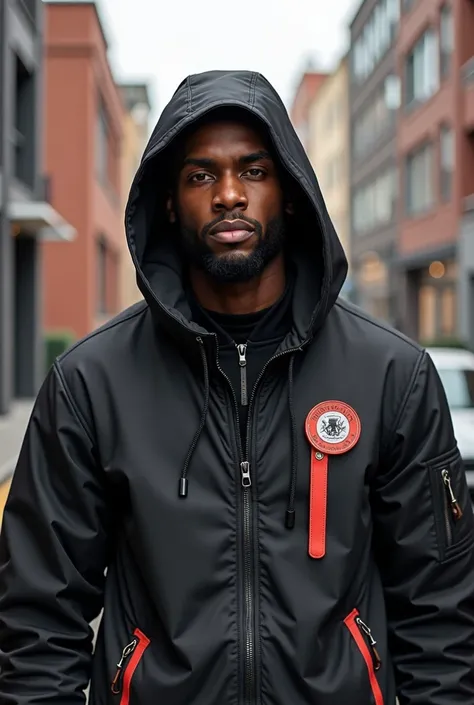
233, 267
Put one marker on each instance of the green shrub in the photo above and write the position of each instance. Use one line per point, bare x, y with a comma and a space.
56, 342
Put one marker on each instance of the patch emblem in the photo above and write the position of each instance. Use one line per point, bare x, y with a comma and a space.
333, 427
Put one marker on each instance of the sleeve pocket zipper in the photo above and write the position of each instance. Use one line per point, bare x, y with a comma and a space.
366, 644
131, 656
452, 509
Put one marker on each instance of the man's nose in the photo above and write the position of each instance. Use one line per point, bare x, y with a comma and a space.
230, 194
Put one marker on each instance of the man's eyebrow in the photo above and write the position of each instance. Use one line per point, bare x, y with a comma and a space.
256, 156
202, 162
206, 163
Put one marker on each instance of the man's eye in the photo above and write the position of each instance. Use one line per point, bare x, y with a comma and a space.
200, 177
255, 171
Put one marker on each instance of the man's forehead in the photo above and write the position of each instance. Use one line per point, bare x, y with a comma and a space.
225, 133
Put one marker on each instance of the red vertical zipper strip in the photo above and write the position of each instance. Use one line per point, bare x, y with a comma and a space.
141, 647
364, 650
318, 504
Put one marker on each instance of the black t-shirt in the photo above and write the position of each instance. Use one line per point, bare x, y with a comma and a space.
246, 343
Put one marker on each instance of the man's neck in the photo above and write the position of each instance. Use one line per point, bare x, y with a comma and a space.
248, 297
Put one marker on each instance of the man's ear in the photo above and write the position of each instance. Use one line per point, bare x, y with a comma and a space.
170, 209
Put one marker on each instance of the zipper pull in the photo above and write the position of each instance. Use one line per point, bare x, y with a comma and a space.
245, 469
242, 352
375, 654
453, 503
115, 687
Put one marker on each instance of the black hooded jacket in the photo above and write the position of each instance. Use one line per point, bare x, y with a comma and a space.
249, 575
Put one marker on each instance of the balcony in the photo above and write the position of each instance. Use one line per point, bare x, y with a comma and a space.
468, 82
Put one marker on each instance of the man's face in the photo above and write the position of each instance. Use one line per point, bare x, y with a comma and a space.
228, 202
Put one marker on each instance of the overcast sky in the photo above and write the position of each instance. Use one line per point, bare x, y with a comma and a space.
164, 42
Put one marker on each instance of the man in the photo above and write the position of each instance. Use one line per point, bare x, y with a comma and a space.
267, 478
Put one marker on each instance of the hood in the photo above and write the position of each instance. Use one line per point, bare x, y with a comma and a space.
320, 261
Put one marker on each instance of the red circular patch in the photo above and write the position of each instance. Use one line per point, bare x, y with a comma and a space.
333, 427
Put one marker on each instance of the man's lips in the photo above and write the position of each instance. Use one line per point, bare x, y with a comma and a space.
232, 232
232, 236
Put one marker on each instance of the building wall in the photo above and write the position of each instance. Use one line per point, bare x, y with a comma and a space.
329, 147
135, 138
308, 86
374, 182
79, 84
20, 339
435, 252
129, 292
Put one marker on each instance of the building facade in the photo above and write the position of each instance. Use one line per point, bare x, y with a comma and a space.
435, 53
136, 131
374, 100
26, 217
329, 148
310, 82
84, 115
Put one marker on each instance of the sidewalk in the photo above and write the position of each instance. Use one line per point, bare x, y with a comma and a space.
12, 430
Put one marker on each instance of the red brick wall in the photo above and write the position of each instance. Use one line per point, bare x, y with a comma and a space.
77, 75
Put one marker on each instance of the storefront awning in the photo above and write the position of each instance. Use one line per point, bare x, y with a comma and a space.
41, 219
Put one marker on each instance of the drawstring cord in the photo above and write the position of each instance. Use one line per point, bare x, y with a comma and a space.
183, 480
290, 509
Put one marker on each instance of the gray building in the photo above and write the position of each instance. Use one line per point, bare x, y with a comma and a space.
26, 217
374, 96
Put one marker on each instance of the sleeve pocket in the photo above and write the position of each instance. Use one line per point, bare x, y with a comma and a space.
452, 508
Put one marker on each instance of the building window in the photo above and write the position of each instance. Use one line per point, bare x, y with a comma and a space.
30, 7
102, 277
437, 309
446, 39
392, 92
102, 145
422, 74
375, 203
419, 181
376, 37
24, 125
447, 159
371, 125
448, 311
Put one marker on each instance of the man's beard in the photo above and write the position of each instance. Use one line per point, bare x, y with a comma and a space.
232, 266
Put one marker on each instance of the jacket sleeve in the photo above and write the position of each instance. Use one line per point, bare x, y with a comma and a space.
52, 556
425, 548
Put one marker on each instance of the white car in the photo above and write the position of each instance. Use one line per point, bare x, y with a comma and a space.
456, 369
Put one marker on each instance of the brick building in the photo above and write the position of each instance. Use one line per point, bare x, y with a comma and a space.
435, 140
83, 121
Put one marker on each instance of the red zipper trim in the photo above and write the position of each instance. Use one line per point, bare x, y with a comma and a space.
141, 647
367, 656
318, 504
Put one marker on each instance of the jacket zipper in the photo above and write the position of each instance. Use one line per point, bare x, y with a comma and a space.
366, 644
250, 655
246, 482
451, 505
131, 656
242, 352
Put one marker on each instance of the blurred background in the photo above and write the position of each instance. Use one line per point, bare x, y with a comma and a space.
381, 93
